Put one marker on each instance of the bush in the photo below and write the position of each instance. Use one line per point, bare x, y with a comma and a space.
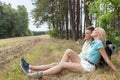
54, 33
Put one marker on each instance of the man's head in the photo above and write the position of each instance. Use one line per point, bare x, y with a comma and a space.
88, 32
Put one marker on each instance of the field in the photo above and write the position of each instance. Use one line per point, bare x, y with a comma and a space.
38, 50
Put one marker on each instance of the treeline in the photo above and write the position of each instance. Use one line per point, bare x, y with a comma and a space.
39, 33
69, 18
13, 22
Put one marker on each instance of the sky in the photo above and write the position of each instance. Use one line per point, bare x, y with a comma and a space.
29, 7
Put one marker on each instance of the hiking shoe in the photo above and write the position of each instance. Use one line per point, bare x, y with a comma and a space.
24, 65
37, 75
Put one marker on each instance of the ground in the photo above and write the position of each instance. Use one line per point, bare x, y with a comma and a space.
43, 49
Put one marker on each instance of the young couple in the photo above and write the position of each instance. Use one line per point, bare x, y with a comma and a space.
91, 53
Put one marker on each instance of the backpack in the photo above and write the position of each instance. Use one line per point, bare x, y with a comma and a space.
110, 48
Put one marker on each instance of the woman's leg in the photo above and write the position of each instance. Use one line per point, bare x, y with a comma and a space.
70, 55
75, 67
42, 67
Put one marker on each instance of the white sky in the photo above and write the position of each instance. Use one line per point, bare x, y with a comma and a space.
29, 6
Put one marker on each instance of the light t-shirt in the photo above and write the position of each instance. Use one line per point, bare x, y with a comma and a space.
85, 48
93, 51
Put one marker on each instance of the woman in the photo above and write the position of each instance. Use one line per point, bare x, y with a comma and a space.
95, 51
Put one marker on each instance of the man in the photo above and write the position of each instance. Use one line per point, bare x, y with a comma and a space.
87, 42
72, 55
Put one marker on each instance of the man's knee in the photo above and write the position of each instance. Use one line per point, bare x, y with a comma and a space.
62, 64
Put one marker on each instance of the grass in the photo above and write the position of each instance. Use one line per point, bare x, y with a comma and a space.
49, 50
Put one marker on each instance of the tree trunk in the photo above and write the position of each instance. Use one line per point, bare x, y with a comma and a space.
81, 20
67, 32
78, 18
86, 11
72, 21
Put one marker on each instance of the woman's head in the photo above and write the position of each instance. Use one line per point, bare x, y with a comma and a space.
99, 33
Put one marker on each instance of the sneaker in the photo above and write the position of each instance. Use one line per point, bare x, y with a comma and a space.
22, 60
24, 65
37, 75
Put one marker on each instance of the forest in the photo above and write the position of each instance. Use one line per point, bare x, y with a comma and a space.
67, 19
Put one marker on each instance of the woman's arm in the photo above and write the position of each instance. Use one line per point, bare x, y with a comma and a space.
104, 55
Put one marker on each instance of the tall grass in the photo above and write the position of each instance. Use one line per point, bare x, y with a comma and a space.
51, 50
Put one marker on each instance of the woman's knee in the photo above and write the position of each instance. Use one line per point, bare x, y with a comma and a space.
68, 51
54, 64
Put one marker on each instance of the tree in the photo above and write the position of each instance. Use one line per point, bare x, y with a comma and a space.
13, 22
63, 15
86, 11
22, 21
107, 13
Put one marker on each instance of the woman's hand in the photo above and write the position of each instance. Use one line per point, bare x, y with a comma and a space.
105, 56
114, 70
117, 73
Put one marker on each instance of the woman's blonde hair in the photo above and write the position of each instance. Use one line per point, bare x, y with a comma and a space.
102, 35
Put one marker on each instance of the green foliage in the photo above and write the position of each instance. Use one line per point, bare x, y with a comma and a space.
54, 32
105, 12
13, 22
104, 19
49, 11
41, 13
112, 35
22, 21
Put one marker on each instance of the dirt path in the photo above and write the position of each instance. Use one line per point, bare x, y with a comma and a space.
14, 47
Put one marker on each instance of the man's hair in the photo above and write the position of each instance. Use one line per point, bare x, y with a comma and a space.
91, 28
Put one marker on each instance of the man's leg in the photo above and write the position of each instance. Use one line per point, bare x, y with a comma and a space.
68, 55
75, 67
